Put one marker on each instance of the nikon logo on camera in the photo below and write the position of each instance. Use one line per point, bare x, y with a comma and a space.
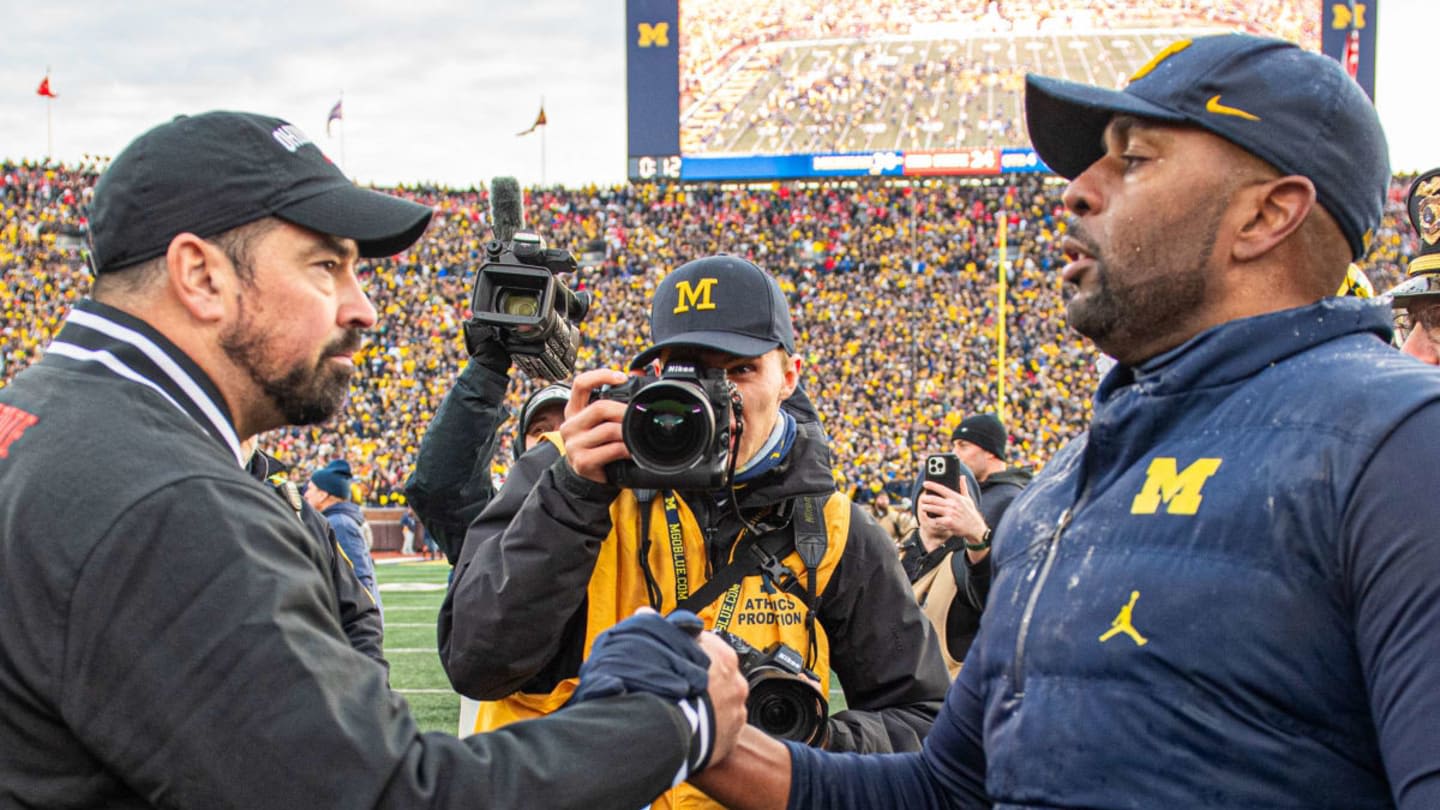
697, 296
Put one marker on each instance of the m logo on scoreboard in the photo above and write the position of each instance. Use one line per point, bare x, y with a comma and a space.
656, 35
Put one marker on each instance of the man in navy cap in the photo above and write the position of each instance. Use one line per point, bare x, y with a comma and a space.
171, 634
773, 554
1226, 593
331, 491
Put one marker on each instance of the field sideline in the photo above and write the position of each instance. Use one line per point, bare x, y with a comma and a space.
412, 593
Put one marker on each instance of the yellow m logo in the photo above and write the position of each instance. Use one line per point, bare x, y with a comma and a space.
1170, 50
1343, 16
654, 36
697, 296
1179, 490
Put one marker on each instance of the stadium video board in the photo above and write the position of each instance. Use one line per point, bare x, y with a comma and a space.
753, 90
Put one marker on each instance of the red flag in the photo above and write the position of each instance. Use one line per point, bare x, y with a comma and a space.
336, 114
44, 89
539, 122
1352, 53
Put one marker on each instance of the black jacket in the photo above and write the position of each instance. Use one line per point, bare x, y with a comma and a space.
451, 483
359, 615
170, 634
528, 560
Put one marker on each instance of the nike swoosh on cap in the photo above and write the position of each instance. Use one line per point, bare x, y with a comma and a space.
1214, 106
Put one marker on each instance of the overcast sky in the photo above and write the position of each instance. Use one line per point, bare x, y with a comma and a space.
433, 89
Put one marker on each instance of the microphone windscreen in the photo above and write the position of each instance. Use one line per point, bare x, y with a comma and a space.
507, 212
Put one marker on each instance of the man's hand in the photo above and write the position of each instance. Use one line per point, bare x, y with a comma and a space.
728, 691
483, 344
945, 513
591, 430
673, 659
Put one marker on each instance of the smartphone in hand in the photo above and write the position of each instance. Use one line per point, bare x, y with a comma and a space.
944, 469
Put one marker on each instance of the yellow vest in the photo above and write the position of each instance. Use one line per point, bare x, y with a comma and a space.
617, 589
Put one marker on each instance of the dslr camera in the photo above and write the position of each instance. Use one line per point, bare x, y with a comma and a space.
517, 291
783, 700
677, 427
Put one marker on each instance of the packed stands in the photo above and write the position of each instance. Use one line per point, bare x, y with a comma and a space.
808, 76
893, 289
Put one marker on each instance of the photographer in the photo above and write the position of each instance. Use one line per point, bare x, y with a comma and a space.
560, 552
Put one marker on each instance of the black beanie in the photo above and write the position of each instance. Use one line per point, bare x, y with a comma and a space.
984, 431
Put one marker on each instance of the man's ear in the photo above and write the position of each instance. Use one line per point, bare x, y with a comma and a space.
1274, 210
792, 367
200, 276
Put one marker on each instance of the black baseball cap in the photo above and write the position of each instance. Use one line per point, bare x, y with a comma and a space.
206, 174
1292, 108
719, 302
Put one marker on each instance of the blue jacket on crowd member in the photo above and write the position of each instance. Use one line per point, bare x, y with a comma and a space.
1216, 489
335, 479
348, 522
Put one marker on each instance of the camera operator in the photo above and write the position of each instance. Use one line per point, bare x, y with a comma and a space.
560, 552
452, 483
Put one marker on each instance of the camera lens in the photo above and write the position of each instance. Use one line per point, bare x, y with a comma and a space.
777, 715
668, 426
524, 303
782, 705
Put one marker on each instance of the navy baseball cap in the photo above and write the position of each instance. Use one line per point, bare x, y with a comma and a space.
1292, 108
206, 174
719, 302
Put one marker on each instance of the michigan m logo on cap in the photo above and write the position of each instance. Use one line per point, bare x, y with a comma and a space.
697, 296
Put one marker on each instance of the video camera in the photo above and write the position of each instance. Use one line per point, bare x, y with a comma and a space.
518, 292
677, 427
784, 701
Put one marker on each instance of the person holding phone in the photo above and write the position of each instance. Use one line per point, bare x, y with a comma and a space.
950, 586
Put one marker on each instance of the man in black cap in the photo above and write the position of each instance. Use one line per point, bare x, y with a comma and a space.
564, 552
170, 634
1225, 593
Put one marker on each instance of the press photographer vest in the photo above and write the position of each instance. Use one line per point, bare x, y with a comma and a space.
753, 610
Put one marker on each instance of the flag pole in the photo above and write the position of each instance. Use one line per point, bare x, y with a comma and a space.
344, 166
49, 120
1000, 308
542, 145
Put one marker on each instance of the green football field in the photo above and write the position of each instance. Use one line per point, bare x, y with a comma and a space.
412, 593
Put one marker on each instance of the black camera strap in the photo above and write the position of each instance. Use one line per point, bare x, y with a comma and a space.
763, 554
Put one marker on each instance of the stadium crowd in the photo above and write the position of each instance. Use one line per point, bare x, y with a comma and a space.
893, 286
882, 75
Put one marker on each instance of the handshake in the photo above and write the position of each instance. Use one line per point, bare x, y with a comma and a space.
676, 659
